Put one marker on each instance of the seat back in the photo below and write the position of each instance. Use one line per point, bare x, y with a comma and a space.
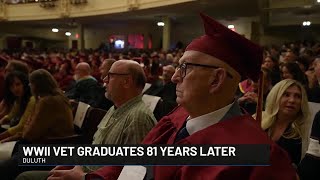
90, 123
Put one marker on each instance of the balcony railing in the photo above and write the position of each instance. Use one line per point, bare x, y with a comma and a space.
27, 1
74, 2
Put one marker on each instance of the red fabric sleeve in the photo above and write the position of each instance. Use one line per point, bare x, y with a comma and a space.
107, 172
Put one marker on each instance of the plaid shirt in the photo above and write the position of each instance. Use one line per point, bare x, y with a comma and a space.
128, 124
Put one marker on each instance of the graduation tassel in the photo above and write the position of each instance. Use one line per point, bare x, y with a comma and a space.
260, 98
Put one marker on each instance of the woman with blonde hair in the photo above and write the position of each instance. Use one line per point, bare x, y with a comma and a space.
286, 118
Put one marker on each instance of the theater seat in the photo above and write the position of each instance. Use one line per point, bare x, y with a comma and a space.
84, 134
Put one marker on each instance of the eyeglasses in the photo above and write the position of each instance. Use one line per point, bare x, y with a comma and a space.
311, 69
184, 66
114, 74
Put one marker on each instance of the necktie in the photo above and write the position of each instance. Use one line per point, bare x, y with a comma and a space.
183, 133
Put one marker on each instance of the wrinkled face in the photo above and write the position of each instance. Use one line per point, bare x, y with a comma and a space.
268, 63
193, 88
17, 88
285, 73
290, 102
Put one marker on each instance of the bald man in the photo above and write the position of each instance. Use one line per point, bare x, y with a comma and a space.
124, 83
86, 88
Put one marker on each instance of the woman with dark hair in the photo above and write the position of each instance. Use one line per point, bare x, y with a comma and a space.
272, 64
291, 70
44, 121
12, 65
18, 96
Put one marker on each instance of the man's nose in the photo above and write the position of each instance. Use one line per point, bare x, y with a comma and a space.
176, 77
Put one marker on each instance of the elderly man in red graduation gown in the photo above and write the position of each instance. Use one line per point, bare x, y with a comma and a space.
207, 79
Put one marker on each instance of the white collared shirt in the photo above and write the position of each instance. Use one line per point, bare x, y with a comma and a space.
206, 120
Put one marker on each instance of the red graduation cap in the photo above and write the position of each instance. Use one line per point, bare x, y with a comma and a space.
228, 46
235, 50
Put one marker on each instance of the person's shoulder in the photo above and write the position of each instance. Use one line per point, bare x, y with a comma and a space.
87, 81
140, 109
241, 129
32, 99
52, 99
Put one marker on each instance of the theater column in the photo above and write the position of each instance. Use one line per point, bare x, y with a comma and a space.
3, 10
81, 34
166, 32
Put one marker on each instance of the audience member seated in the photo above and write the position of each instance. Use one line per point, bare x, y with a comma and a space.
95, 66
155, 69
12, 65
86, 87
309, 166
164, 88
3, 64
290, 56
103, 102
127, 122
272, 64
286, 118
313, 75
64, 76
249, 100
292, 70
303, 64
44, 121
17, 95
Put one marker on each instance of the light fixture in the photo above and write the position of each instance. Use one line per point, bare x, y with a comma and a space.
306, 23
160, 23
55, 30
68, 33
231, 26
318, 1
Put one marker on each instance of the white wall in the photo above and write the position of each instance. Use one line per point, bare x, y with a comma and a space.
194, 28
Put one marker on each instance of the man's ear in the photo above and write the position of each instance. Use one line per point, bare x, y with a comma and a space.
217, 80
127, 82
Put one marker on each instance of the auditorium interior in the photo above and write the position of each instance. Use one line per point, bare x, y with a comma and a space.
59, 60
